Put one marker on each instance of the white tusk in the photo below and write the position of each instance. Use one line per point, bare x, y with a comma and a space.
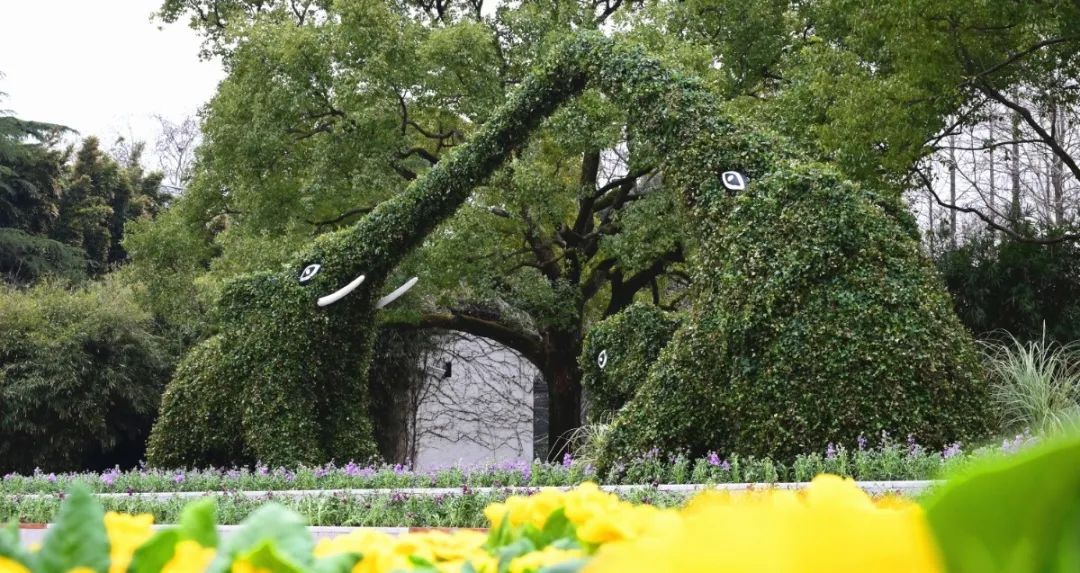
396, 294
340, 294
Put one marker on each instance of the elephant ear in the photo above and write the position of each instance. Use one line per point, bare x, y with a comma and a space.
1019, 514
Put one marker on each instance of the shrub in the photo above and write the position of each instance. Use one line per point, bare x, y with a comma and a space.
630, 342
1029, 290
80, 377
1036, 385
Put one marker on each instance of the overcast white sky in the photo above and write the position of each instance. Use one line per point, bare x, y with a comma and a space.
100, 66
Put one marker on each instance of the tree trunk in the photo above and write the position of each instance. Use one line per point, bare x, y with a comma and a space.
563, 378
1014, 207
952, 191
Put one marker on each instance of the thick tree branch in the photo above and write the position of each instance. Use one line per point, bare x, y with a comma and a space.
1013, 58
525, 343
421, 152
1029, 119
622, 292
545, 255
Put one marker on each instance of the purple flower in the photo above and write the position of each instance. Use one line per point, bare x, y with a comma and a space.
714, 459
351, 469
862, 442
912, 446
262, 470
51, 477
321, 471
179, 477
567, 459
952, 451
399, 469
110, 476
1014, 445
830, 451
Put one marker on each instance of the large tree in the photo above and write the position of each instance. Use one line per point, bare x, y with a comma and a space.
30, 172
99, 197
906, 93
329, 109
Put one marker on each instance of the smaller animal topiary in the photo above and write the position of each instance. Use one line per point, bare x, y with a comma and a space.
618, 352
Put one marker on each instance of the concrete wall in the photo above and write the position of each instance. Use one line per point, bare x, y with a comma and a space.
481, 413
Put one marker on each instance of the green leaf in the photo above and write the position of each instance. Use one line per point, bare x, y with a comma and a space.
1008, 514
557, 527
152, 556
338, 563
282, 528
421, 565
267, 556
198, 522
500, 535
572, 566
78, 539
507, 553
10, 546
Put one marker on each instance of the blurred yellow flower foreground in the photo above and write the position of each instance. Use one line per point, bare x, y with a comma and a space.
831, 526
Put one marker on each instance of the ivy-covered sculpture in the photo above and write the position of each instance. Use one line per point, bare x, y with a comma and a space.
815, 317
617, 354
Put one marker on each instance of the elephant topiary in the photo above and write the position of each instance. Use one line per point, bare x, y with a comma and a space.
815, 317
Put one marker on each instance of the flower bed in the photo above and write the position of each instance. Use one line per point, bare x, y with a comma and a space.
890, 461
1006, 514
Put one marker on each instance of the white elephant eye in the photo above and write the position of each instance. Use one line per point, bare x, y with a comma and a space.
309, 272
601, 359
734, 180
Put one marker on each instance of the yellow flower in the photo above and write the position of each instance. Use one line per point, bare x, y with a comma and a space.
832, 526
11, 566
190, 557
245, 566
377, 548
443, 546
531, 562
81, 570
126, 533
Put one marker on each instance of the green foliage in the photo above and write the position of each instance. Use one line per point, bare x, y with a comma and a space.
297, 373
791, 343
99, 197
270, 534
80, 377
818, 321
1036, 385
78, 539
1016, 514
868, 86
631, 342
26, 259
892, 460
29, 173
1028, 290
